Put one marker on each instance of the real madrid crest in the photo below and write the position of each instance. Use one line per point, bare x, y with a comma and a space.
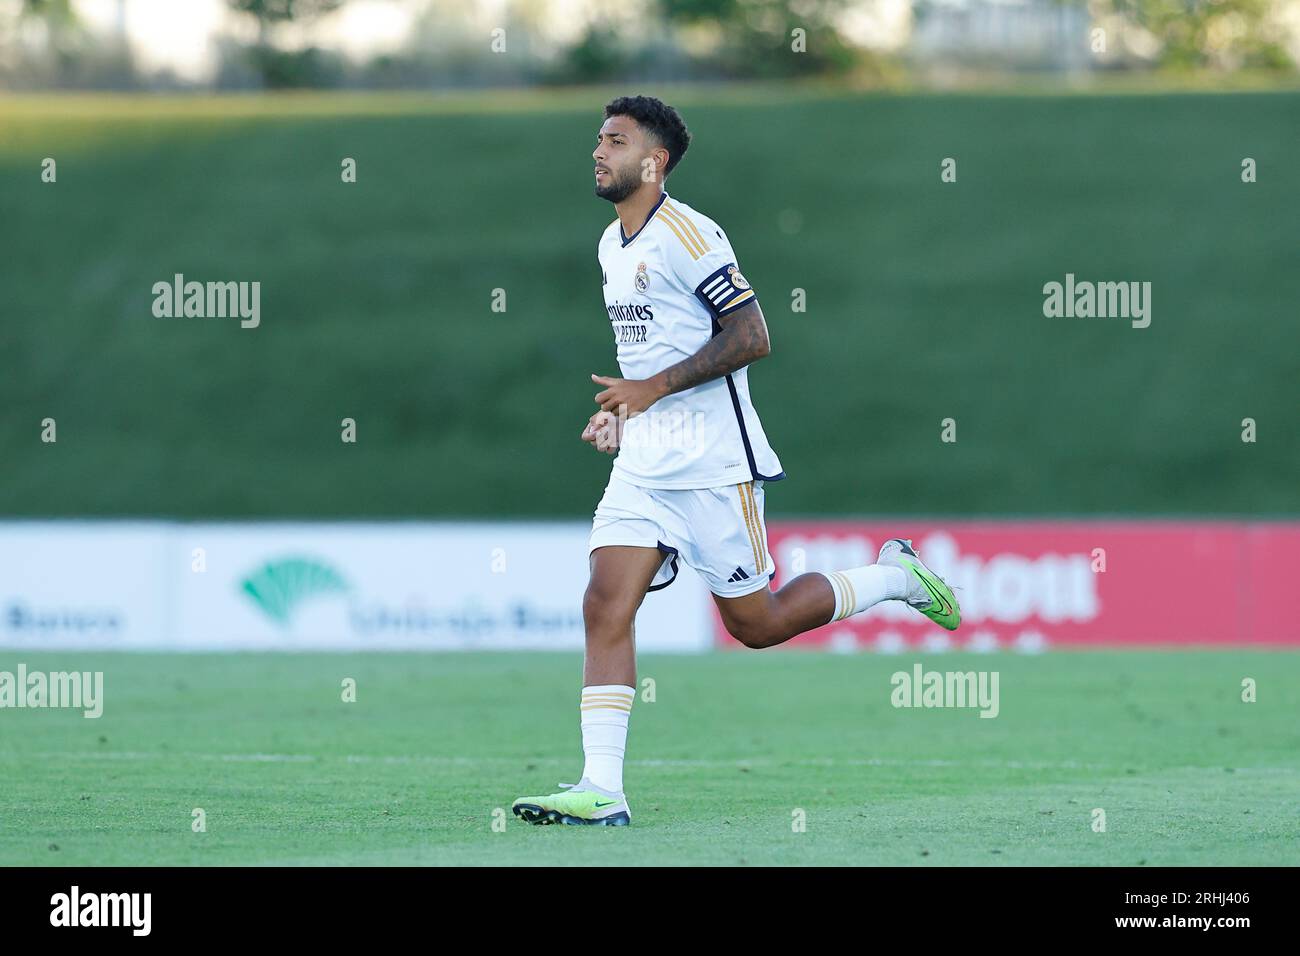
642, 277
739, 281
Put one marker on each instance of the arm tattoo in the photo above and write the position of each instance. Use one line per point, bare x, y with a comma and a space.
743, 340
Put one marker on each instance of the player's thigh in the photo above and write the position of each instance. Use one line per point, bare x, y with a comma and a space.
620, 577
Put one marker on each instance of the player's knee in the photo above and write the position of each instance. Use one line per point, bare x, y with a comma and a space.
606, 615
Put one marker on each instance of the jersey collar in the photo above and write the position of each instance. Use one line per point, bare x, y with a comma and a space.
628, 239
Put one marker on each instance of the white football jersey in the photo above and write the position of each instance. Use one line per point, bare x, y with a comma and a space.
665, 287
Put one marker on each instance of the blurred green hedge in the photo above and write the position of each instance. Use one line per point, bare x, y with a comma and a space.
924, 302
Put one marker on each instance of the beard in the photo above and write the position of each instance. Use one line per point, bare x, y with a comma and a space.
619, 187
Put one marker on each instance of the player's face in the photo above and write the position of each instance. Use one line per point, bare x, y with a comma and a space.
620, 150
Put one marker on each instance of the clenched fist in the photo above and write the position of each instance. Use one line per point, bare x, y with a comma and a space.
604, 430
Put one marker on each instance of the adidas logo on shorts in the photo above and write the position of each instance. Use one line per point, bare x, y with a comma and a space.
737, 575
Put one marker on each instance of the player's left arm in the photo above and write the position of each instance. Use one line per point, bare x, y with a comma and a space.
739, 329
742, 340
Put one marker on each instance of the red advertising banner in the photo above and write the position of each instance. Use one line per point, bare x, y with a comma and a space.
1029, 585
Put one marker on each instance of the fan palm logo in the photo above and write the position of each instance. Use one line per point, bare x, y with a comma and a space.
278, 587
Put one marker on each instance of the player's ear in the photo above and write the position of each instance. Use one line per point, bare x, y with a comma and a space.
660, 165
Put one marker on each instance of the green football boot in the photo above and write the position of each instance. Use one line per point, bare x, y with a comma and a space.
926, 591
582, 804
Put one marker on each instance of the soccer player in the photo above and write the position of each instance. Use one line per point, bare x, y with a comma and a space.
688, 482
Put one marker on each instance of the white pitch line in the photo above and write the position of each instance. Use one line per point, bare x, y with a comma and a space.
757, 763
474, 761
145, 755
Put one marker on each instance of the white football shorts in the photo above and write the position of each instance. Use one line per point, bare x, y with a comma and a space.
717, 531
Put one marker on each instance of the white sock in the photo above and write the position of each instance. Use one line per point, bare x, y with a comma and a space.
605, 711
857, 589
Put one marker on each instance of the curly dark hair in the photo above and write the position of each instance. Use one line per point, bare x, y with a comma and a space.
659, 120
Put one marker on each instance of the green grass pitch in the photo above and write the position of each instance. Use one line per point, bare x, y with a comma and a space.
734, 744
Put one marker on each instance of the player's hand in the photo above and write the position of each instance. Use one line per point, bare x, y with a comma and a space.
627, 396
604, 431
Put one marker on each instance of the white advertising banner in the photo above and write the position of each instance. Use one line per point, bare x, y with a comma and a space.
407, 586
314, 586
91, 585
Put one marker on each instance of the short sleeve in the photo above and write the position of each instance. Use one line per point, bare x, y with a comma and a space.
706, 265
724, 289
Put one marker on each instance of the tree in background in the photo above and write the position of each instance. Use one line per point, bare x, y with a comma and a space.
689, 39
1185, 35
278, 68
44, 44
47, 28
758, 37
